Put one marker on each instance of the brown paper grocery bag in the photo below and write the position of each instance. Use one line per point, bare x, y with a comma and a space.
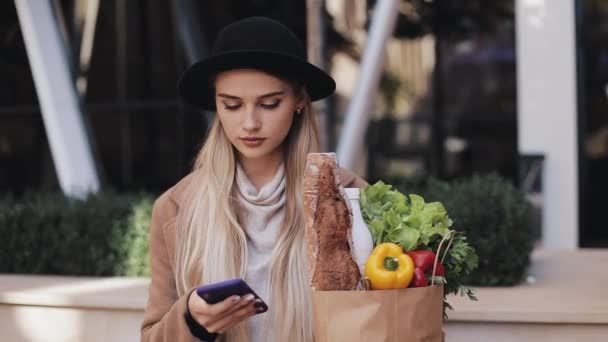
403, 315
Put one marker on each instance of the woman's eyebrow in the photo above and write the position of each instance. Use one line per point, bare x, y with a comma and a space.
271, 94
228, 96
275, 93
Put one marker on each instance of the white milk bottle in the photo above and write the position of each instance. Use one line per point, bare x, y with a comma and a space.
362, 238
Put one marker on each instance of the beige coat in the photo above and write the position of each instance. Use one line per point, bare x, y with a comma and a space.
164, 318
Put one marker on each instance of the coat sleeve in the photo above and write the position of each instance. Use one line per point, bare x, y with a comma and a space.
350, 180
164, 319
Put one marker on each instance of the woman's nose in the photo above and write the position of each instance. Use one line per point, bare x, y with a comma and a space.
251, 121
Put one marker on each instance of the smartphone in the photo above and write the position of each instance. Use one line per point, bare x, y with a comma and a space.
217, 292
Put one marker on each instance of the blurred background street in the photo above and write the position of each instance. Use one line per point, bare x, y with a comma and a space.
499, 109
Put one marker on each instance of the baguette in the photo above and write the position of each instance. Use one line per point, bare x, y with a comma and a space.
328, 218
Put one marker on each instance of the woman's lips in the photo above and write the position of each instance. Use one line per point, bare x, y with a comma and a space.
253, 141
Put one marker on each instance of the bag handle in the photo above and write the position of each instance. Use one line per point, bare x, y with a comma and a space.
450, 238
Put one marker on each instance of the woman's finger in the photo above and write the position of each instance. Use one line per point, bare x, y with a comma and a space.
234, 318
205, 313
223, 307
246, 300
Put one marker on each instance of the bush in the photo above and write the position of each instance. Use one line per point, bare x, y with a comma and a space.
495, 217
105, 234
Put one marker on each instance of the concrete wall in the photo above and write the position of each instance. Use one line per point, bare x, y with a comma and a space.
24, 323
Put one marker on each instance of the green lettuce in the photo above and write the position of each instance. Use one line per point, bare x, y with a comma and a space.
406, 220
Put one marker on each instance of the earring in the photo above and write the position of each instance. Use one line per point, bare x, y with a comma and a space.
299, 111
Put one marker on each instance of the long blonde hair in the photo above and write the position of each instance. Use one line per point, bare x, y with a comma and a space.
211, 245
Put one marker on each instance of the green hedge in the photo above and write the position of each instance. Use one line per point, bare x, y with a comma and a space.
495, 217
103, 235
107, 234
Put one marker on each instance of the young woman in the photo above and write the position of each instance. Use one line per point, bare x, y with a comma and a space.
239, 213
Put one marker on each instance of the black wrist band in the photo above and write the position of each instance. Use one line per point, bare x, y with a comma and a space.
198, 330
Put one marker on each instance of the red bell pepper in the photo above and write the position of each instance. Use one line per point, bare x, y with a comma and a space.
424, 260
419, 279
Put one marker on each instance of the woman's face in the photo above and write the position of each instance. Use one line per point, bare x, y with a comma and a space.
256, 111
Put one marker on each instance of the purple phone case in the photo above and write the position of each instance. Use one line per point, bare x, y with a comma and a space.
217, 292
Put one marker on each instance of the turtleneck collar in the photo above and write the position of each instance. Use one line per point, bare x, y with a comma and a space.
269, 194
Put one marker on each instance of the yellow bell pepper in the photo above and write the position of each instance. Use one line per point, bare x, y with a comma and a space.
389, 267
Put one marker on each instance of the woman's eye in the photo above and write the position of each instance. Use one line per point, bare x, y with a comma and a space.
272, 105
232, 107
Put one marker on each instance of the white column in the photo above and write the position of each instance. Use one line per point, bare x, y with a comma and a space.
547, 110
58, 99
357, 115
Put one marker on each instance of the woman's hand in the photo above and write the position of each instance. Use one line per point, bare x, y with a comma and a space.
217, 318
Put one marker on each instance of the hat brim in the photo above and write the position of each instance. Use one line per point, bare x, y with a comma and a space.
195, 84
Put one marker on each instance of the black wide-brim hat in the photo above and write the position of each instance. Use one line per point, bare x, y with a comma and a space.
254, 43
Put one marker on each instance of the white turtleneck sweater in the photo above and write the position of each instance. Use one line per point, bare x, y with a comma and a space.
262, 214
